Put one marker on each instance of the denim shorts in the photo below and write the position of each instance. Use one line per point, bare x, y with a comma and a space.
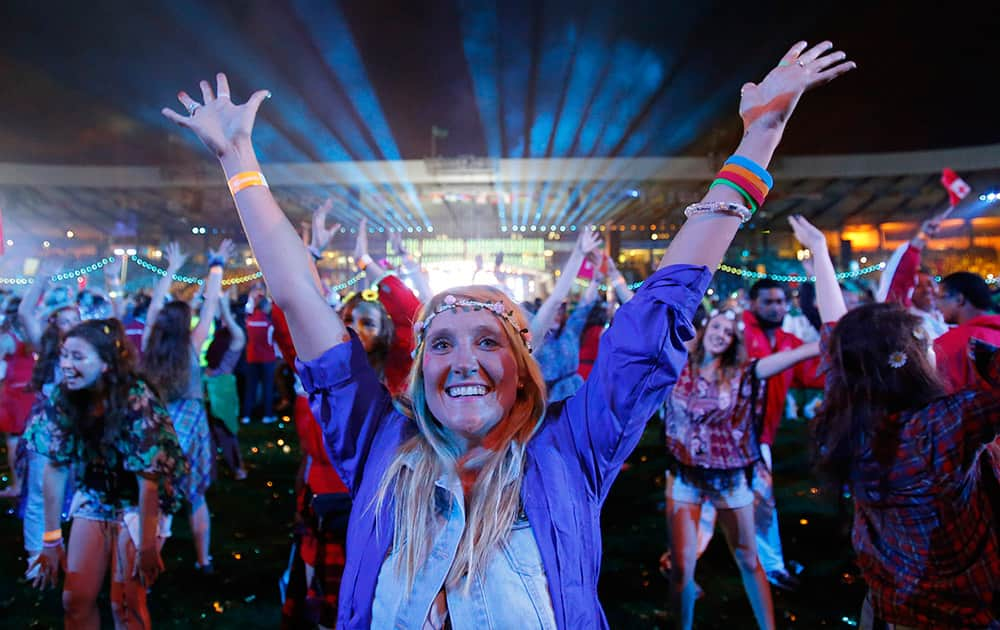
724, 494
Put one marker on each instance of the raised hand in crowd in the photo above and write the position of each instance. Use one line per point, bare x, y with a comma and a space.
322, 235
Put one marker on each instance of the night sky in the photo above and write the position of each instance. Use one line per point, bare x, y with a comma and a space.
84, 82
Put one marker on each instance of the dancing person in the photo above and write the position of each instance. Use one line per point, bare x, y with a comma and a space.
383, 318
764, 336
915, 459
170, 363
905, 281
223, 397
559, 356
261, 360
711, 425
16, 398
965, 303
135, 321
461, 518
105, 423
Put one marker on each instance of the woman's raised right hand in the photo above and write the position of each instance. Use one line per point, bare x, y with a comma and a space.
218, 122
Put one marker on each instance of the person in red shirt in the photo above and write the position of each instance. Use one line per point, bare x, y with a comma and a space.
964, 301
261, 358
763, 337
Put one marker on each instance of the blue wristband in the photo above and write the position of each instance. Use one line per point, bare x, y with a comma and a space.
753, 167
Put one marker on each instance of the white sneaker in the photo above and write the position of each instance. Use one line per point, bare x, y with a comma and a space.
269, 419
245, 420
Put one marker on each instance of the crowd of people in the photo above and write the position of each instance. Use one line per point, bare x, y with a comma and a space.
457, 448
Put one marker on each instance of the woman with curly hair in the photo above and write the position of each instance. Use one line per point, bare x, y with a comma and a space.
107, 425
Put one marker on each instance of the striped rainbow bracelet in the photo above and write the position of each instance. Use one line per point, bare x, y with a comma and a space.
746, 177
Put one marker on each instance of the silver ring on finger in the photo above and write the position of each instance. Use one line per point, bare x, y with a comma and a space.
801, 64
192, 108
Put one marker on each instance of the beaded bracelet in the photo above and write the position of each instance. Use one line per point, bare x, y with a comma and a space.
246, 179
719, 207
216, 261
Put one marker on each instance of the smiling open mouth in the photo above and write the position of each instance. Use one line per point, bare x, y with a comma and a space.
463, 391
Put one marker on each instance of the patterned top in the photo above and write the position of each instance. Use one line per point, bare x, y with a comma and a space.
146, 445
712, 425
559, 356
924, 522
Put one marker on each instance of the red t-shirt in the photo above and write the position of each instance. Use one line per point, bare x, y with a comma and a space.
952, 350
402, 306
589, 343
802, 375
259, 330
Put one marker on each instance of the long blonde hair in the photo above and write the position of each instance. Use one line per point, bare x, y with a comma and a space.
493, 503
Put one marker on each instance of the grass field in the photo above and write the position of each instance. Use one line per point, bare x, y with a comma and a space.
251, 540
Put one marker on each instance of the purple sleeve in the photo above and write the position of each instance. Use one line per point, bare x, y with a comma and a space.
350, 405
640, 357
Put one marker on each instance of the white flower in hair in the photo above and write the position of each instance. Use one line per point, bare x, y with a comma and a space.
897, 359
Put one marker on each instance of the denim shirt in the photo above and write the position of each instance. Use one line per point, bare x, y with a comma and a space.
570, 462
511, 593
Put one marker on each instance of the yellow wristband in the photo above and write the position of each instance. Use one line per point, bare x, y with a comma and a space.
52, 535
246, 179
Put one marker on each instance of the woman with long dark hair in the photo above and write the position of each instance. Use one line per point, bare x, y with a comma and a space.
916, 461
712, 434
105, 423
170, 362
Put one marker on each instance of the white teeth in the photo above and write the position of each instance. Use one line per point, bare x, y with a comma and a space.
467, 390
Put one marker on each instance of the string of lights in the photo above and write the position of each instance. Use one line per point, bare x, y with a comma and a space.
780, 277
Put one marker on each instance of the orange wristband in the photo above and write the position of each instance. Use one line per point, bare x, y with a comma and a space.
246, 179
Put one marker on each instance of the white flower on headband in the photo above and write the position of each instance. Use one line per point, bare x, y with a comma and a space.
497, 307
897, 359
450, 300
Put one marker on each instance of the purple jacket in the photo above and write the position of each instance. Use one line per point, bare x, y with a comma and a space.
570, 463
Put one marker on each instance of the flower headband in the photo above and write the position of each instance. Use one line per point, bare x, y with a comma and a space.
451, 303
729, 314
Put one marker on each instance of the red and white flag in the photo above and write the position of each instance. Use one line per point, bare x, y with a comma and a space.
957, 188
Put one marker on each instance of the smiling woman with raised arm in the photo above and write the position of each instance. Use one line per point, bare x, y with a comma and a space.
478, 504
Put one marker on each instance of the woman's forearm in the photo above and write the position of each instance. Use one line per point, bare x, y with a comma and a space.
704, 238
780, 361
149, 512
54, 490
829, 298
282, 258
546, 314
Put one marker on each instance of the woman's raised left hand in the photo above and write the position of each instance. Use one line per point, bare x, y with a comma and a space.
218, 122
